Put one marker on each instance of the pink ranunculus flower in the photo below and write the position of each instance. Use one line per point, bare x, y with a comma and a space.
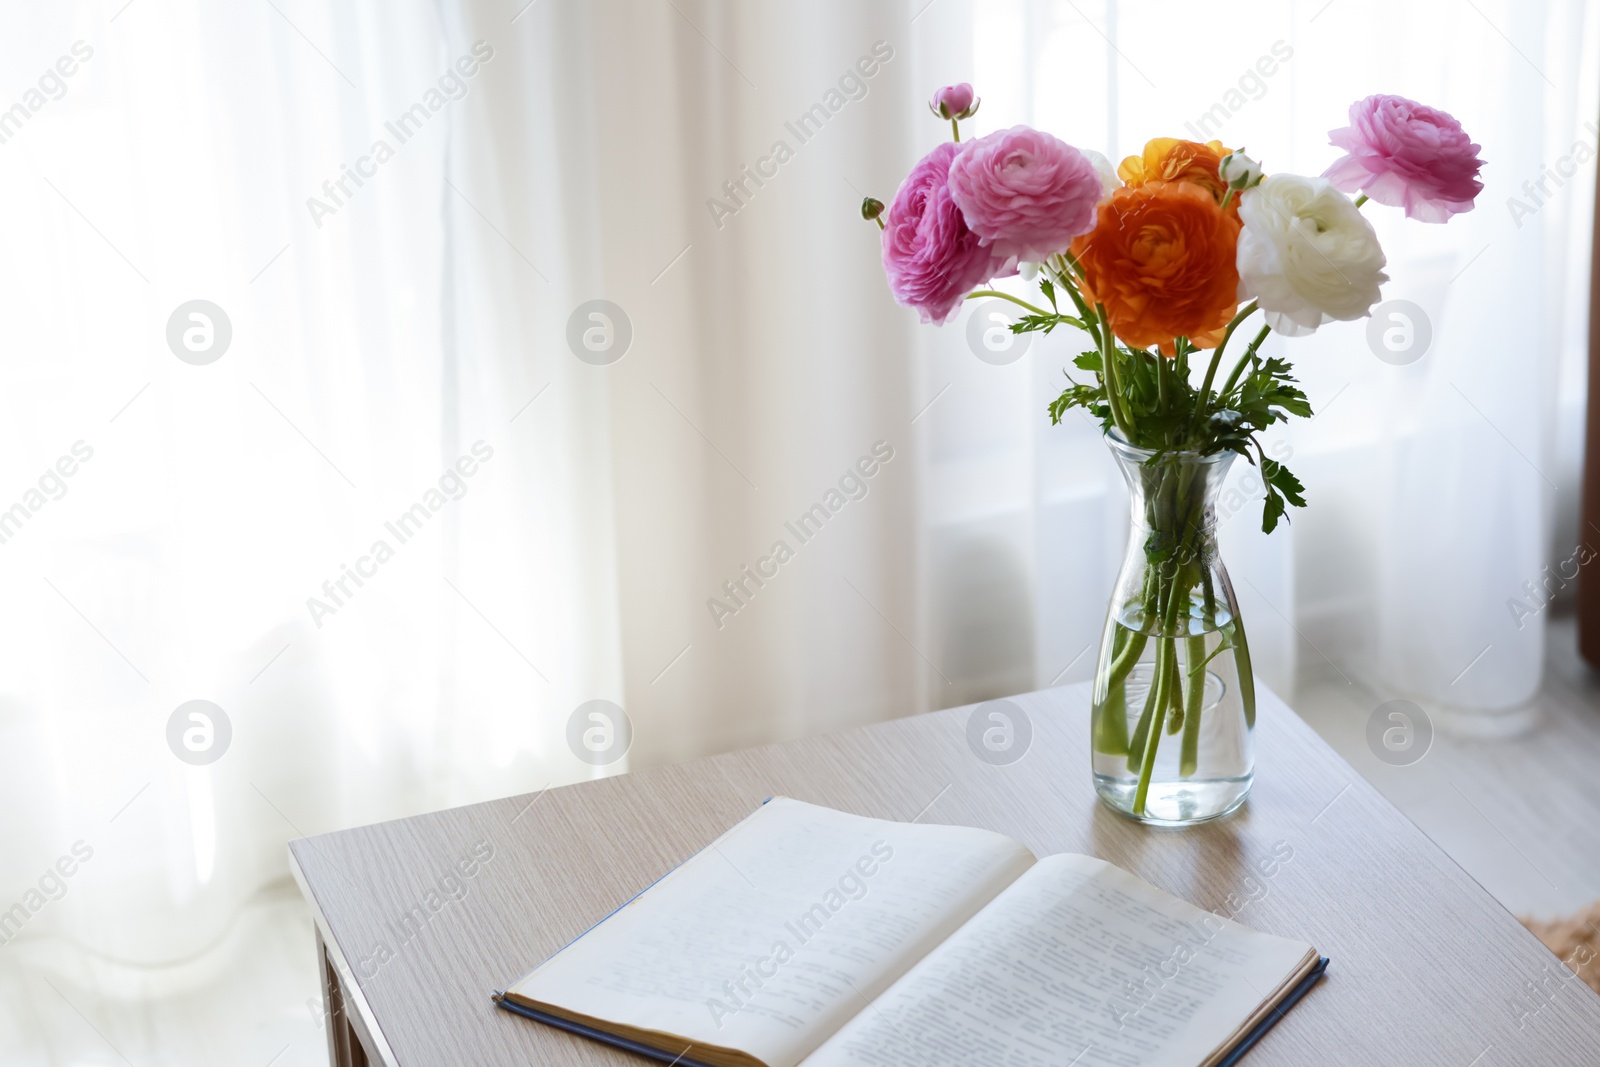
1025, 193
930, 255
954, 102
1407, 155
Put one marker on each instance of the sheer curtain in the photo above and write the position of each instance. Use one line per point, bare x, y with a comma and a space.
617, 538
406, 528
213, 544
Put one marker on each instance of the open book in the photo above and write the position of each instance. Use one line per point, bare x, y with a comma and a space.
808, 936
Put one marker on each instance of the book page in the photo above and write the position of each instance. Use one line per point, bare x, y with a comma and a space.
775, 935
1076, 963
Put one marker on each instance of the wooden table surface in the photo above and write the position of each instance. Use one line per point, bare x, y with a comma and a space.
1426, 969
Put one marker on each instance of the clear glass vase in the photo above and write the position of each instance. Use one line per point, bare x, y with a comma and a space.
1172, 732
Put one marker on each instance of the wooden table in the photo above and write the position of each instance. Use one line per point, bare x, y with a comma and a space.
1427, 967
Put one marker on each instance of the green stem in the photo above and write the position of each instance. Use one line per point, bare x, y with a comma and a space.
1247, 678
1111, 726
1222, 646
1179, 615
1189, 754
1175, 695
1141, 730
1020, 303
1108, 370
1165, 668
1204, 401
1185, 580
1111, 737
1108, 364
1362, 199
1238, 368
955, 128
1089, 323
1149, 608
1154, 609
1166, 677
1122, 662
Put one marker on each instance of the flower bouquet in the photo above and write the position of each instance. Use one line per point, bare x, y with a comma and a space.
1159, 262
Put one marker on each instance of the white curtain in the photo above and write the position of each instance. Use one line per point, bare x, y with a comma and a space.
620, 540
205, 549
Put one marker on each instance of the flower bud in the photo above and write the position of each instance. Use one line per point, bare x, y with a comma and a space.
1239, 171
954, 102
871, 208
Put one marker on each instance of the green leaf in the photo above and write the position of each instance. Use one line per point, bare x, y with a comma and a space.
1271, 512
1091, 398
1283, 488
1032, 323
1047, 287
1088, 361
1286, 483
1294, 402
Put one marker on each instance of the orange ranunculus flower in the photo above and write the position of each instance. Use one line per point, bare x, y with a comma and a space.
1167, 159
1161, 258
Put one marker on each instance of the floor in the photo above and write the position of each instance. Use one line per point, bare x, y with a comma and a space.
259, 1003
1521, 815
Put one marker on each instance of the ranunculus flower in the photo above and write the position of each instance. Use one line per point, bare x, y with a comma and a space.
930, 255
1168, 159
1161, 260
1024, 193
1406, 155
954, 102
1307, 254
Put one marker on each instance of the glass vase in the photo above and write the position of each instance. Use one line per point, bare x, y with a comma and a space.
1173, 724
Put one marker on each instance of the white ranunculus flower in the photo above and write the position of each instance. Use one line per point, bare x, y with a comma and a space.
1107, 171
1306, 254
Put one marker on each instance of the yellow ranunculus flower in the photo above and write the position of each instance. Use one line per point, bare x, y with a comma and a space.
1169, 159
